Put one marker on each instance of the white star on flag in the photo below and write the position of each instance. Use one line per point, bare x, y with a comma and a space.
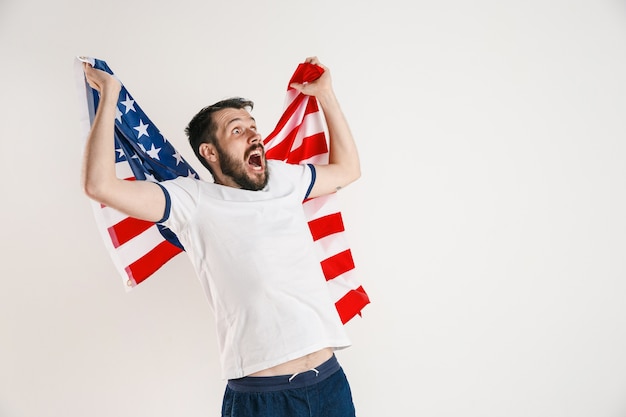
154, 152
142, 129
178, 157
129, 104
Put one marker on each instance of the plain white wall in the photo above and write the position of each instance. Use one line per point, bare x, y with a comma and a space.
488, 227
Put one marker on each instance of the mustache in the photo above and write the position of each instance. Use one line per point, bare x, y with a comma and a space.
254, 148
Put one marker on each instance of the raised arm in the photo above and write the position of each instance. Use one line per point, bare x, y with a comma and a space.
343, 163
141, 199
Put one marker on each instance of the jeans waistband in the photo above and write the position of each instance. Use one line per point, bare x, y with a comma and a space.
281, 382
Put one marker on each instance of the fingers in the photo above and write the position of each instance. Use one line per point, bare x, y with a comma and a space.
298, 87
100, 80
87, 67
92, 77
315, 60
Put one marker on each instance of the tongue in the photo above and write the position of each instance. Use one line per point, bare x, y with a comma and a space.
255, 160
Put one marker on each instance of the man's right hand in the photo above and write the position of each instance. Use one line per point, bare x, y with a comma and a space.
100, 80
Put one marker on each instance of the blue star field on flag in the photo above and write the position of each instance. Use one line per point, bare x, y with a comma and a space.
139, 142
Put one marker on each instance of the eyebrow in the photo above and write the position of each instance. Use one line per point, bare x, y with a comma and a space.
236, 119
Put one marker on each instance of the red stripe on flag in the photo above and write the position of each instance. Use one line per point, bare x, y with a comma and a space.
311, 146
337, 264
281, 150
306, 72
327, 225
149, 263
127, 229
284, 120
351, 304
311, 106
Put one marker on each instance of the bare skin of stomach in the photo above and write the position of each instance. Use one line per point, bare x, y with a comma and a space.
302, 364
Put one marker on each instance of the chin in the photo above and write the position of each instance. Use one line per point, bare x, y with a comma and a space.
261, 181
254, 183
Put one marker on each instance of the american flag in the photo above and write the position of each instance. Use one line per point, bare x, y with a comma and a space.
139, 248
300, 137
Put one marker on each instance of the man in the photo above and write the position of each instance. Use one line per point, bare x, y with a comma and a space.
249, 242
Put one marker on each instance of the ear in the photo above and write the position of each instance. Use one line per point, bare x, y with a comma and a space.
208, 152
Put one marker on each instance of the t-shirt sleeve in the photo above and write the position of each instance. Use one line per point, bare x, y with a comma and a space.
312, 181
302, 175
181, 200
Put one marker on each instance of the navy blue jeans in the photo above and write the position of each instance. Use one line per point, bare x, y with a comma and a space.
320, 392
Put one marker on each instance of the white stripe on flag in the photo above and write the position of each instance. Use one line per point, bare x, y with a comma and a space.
341, 285
311, 125
293, 122
290, 97
331, 245
123, 171
111, 217
321, 206
140, 245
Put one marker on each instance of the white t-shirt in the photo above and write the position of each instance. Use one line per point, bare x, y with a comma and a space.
254, 255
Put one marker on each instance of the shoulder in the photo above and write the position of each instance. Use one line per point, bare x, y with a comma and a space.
300, 176
182, 196
188, 183
185, 188
282, 167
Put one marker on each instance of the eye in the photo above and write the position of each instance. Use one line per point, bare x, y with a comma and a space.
236, 131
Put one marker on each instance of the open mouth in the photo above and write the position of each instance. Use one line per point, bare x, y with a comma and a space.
255, 160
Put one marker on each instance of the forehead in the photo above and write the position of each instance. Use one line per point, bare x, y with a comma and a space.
225, 117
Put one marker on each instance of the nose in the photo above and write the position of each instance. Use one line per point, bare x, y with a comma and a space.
253, 136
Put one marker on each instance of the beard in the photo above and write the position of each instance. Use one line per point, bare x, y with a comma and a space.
236, 170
